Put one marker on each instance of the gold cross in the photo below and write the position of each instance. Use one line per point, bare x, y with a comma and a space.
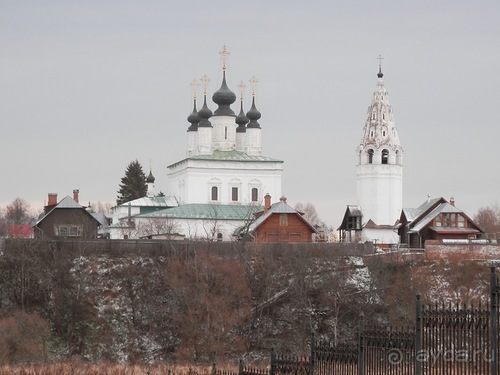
380, 58
204, 82
224, 54
253, 84
194, 86
242, 88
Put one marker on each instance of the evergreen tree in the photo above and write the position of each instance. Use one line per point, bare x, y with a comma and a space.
133, 184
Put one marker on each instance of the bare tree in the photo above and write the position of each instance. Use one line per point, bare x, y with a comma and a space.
165, 227
19, 212
310, 213
488, 218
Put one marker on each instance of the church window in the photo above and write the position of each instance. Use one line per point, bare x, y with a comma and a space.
370, 156
383, 117
383, 133
283, 220
255, 194
371, 134
214, 193
385, 156
234, 194
225, 132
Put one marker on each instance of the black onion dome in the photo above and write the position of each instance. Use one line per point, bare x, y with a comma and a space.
253, 115
204, 113
151, 178
193, 119
380, 74
241, 120
224, 97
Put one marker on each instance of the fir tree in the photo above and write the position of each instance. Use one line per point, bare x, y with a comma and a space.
133, 184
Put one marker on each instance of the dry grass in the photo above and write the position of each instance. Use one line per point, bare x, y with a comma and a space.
103, 369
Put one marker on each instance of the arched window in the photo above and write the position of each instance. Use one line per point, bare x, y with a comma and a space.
255, 194
214, 193
370, 156
385, 156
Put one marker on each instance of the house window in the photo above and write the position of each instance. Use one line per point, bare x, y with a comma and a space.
460, 221
69, 230
370, 156
437, 221
234, 194
255, 194
283, 220
214, 193
219, 236
385, 156
449, 220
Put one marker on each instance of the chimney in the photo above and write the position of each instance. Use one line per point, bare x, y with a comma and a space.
452, 201
283, 199
267, 202
52, 200
75, 195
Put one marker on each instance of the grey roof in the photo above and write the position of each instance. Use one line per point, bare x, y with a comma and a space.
441, 208
231, 156
207, 211
277, 208
65, 203
68, 202
152, 202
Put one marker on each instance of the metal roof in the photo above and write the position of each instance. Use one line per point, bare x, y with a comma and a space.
276, 208
231, 156
442, 208
152, 202
207, 211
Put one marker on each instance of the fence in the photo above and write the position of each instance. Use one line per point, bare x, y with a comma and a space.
446, 340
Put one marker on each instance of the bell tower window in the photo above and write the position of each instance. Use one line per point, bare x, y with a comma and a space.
385, 156
370, 156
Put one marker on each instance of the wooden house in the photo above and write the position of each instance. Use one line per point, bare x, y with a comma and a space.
66, 219
280, 223
435, 219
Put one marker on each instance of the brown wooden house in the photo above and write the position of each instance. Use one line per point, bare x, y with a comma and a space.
436, 219
66, 219
280, 223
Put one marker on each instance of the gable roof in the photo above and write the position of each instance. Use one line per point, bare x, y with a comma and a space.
66, 203
351, 211
280, 207
426, 212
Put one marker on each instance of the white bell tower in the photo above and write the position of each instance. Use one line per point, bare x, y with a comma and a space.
379, 177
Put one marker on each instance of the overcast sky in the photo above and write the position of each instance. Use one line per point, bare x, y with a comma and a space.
88, 86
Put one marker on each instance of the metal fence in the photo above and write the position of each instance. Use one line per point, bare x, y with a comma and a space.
446, 340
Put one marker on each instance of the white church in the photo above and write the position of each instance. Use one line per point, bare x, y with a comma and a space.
220, 183
379, 176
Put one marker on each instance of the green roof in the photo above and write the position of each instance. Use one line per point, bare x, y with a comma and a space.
207, 211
